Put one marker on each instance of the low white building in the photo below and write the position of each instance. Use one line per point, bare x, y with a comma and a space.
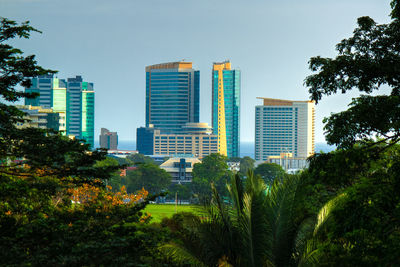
180, 168
288, 162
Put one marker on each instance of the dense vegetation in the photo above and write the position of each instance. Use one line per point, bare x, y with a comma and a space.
344, 210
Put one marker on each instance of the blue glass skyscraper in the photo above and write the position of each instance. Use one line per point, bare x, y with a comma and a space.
172, 96
226, 108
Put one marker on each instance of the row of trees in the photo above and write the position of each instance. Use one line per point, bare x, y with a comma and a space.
213, 169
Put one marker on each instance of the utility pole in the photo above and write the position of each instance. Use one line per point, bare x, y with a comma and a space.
176, 201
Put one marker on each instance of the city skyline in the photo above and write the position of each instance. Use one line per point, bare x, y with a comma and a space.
269, 42
72, 97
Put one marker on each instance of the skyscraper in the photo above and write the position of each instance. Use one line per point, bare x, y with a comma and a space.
108, 140
284, 127
172, 96
80, 109
226, 108
73, 97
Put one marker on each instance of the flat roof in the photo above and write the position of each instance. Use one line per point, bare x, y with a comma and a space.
282, 102
171, 65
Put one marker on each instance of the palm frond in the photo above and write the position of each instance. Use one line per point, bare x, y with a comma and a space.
181, 255
325, 215
236, 191
311, 255
252, 223
281, 216
303, 235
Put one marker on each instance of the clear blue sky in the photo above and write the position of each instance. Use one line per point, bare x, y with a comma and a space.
109, 43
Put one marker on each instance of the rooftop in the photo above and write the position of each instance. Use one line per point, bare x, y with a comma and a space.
170, 65
281, 102
226, 65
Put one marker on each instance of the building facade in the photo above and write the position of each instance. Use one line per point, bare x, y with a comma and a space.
226, 108
108, 140
145, 140
180, 169
172, 96
284, 126
195, 139
80, 109
73, 96
288, 162
42, 118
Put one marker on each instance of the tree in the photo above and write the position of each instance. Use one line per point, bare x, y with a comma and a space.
246, 164
366, 61
149, 177
115, 180
363, 223
360, 225
212, 169
140, 158
183, 190
15, 70
255, 229
269, 172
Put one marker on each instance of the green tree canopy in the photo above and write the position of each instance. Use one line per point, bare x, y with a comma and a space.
149, 177
363, 222
246, 164
365, 61
140, 158
184, 191
212, 169
269, 172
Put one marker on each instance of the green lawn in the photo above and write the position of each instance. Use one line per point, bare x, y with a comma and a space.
159, 211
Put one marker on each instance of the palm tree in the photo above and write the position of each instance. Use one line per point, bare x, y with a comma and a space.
312, 254
256, 227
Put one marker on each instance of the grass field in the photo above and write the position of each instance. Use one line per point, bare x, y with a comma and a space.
159, 211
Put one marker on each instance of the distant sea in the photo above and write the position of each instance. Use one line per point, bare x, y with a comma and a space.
246, 148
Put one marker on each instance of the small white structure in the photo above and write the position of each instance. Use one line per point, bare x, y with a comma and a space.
121, 153
233, 166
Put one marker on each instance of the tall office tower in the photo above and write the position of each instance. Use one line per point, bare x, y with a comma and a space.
284, 127
172, 96
80, 109
108, 140
226, 108
45, 86
73, 97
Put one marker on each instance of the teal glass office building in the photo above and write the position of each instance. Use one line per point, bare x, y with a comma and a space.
229, 85
172, 96
73, 96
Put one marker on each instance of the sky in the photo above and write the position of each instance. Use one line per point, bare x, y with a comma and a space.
110, 43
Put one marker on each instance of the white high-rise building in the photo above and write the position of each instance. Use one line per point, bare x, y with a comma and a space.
284, 126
